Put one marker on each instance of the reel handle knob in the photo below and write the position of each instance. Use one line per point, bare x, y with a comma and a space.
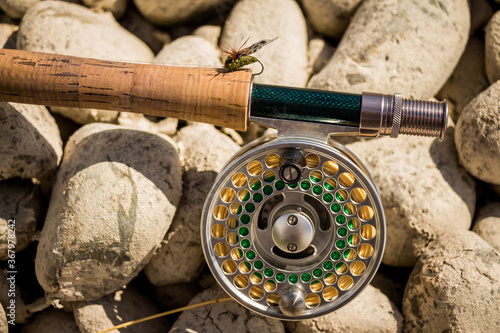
292, 302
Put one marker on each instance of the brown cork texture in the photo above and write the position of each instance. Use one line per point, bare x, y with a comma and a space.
208, 95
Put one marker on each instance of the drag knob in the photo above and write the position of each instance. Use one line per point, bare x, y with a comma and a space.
290, 173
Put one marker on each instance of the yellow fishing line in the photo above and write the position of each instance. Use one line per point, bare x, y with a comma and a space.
167, 313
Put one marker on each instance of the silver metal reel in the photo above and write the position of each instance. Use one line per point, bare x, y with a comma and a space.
293, 227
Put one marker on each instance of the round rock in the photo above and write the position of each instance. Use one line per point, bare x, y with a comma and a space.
19, 212
138, 121
118, 308
487, 224
31, 146
70, 29
203, 152
170, 12
477, 135
189, 51
7, 32
4, 327
209, 32
391, 47
16, 8
113, 201
468, 78
424, 191
223, 317
50, 321
147, 32
117, 7
318, 54
330, 17
454, 287
285, 59
378, 315
493, 48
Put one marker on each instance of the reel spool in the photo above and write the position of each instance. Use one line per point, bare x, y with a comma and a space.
293, 227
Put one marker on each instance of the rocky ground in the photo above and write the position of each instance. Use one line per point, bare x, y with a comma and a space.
107, 205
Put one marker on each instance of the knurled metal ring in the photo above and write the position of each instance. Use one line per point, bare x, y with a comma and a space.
396, 116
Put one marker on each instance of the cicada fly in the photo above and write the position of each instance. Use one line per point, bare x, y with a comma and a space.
239, 57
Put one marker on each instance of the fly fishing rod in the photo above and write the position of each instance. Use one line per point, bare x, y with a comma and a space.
293, 227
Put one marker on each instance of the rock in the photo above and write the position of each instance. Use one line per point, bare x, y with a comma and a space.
19, 208
145, 31
254, 132
118, 308
7, 32
468, 78
477, 136
203, 152
179, 31
189, 51
391, 46
31, 146
391, 282
223, 317
17, 8
173, 296
167, 126
172, 12
378, 315
480, 13
50, 321
330, 17
4, 327
76, 30
113, 201
207, 280
70, 29
487, 224
117, 7
210, 32
318, 54
285, 59
66, 127
454, 287
233, 134
493, 48
424, 191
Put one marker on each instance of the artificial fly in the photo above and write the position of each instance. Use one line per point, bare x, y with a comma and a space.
240, 56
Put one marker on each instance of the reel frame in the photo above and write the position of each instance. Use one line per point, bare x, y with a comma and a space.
259, 269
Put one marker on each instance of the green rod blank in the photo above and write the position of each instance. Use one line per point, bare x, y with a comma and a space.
305, 105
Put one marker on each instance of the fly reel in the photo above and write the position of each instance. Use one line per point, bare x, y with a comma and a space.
293, 228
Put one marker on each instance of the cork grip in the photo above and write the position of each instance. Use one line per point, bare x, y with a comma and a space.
208, 95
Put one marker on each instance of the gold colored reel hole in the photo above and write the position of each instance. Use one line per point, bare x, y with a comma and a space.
293, 250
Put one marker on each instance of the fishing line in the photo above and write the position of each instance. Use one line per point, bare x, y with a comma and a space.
166, 313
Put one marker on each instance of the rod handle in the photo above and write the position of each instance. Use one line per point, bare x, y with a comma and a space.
207, 95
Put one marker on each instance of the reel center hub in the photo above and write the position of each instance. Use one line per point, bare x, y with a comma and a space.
293, 232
